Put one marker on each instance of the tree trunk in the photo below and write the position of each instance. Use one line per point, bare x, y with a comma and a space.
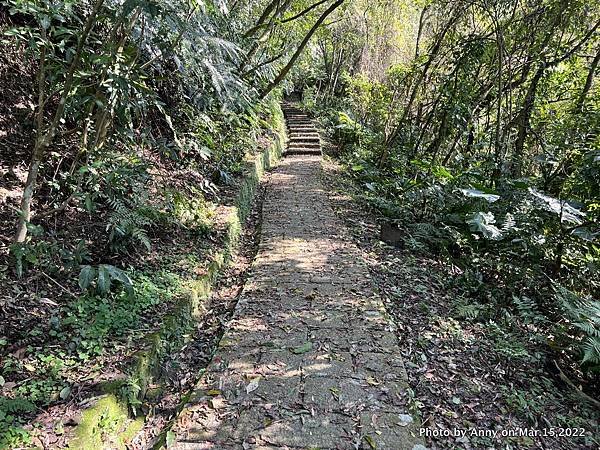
523, 121
303, 12
498, 147
413, 95
420, 30
298, 52
262, 19
588, 82
46, 137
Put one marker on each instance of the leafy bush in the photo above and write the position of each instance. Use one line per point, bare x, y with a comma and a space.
102, 277
510, 238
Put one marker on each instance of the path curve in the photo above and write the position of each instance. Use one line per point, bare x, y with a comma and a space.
309, 360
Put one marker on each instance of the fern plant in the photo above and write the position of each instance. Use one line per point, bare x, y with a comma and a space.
528, 310
127, 225
584, 316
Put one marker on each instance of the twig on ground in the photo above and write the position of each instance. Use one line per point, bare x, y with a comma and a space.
572, 385
58, 284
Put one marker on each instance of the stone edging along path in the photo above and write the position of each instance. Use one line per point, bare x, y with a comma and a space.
107, 422
309, 360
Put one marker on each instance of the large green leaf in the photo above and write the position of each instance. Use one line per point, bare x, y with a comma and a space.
86, 276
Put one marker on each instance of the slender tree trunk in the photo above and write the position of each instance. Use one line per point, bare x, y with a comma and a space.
250, 71
498, 147
303, 12
420, 30
435, 145
588, 82
326, 62
262, 19
282, 74
523, 121
45, 137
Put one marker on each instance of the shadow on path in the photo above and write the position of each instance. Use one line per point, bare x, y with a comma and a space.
309, 360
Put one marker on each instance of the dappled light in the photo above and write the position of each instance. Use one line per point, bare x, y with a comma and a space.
299, 224
308, 358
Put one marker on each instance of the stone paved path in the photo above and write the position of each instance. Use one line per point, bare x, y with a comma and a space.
308, 361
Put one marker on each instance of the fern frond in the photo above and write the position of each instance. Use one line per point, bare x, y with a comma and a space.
591, 350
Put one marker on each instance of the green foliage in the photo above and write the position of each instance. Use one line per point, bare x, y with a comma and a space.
528, 310
192, 211
495, 171
11, 432
584, 315
130, 392
127, 226
102, 277
49, 256
94, 318
31, 254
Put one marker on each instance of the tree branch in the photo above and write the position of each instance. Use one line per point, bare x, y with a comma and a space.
296, 55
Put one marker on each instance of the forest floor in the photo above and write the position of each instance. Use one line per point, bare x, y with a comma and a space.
465, 376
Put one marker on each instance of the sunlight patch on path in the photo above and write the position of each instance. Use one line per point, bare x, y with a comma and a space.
309, 359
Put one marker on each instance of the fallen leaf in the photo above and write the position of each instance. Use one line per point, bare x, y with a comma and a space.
371, 442
253, 385
373, 381
170, 440
64, 393
306, 347
48, 301
59, 428
335, 392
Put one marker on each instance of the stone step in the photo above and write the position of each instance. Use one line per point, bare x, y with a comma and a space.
305, 139
304, 143
303, 130
301, 148
306, 151
309, 136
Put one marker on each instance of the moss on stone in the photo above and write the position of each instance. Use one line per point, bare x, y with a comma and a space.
107, 423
